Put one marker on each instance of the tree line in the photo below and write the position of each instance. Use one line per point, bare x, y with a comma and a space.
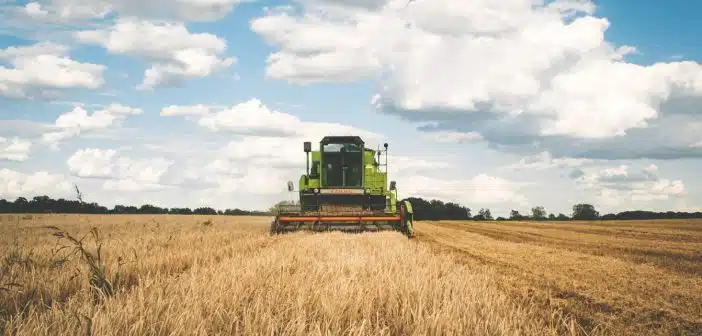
438, 210
423, 210
46, 204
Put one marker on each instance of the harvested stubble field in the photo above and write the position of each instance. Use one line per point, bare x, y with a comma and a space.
193, 275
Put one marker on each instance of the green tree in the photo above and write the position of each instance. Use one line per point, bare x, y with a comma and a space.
483, 214
538, 213
584, 211
515, 215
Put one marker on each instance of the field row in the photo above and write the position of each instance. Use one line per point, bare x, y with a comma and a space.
618, 277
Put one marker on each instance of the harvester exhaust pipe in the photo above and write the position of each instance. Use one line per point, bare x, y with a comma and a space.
308, 149
386, 156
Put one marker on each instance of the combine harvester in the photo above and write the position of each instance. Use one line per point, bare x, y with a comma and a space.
344, 191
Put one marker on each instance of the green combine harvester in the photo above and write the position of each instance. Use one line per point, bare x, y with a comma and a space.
345, 190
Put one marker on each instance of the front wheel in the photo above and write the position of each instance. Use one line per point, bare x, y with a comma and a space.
274, 227
407, 216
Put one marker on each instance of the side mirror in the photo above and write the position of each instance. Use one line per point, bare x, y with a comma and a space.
393, 185
291, 186
308, 146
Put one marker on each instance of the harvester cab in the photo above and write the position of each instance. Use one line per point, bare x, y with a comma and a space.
344, 189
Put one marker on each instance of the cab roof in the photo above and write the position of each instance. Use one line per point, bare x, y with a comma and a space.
354, 139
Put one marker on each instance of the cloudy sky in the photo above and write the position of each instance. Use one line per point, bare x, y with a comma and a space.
499, 104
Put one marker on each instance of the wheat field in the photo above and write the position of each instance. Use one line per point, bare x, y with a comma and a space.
223, 275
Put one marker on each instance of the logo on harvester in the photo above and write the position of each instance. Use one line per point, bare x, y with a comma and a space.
341, 191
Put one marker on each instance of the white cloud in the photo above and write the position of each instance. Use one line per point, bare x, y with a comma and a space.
254, 118
400, 166
194, 110
121, 173
71, 10
265, 150
44, 66
512, 71
251, 116
18, 184
175, 53
482, 189
453, 137
35, 10
545, 160
621, 185
14, 149
78, 121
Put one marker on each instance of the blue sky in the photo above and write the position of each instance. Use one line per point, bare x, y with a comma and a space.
496, 105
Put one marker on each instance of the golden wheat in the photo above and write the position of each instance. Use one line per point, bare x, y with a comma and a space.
197, 275
619, 278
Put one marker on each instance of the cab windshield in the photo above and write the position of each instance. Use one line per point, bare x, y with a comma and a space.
342, 165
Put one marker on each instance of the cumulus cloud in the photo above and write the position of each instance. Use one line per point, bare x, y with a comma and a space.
175, 54
622, 184
453, 137
265, 145
71, 10
254, 118
14, 149
198, 110
120, 172
482, 189
524, 77
419, 177
545, 160
78, 121
17, 184
44, 66
316, 51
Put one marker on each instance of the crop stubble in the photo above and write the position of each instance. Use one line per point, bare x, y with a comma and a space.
622, 278
224, 275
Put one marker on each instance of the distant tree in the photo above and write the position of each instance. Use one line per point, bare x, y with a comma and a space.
453, 211
483, 214
551, 216
538, 213
151, 209
585, 211
488, 215
205, 211
501, 218
515, 215
437, 210
180, 211
423, 209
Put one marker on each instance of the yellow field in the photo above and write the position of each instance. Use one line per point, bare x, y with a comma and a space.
193, 275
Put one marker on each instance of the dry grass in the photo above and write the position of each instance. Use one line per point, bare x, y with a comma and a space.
193, 275
619, 278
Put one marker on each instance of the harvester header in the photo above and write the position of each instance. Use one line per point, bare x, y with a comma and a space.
344, 188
